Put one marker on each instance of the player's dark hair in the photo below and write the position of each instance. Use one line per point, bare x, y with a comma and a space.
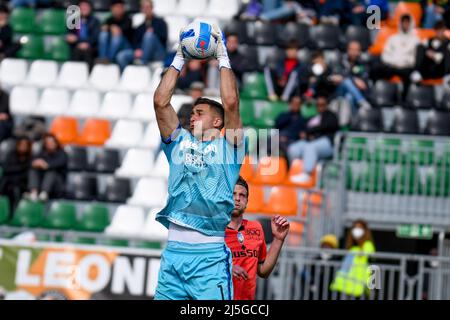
241, 182
439, 25
317, 54
216, 106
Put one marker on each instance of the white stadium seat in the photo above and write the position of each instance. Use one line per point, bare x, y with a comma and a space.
178, 100
127, 221
136, 163
23, 100
152, 136
84, 104
115, 105
164, 7
149, 192
156, 78
153, 230
42, 73
13, 72
104, 77
126, 134
161, 167
73, 75
143, 108
175, 23
191, 8
53, 102
224, 10
135, 79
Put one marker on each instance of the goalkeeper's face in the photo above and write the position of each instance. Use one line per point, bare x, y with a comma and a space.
203, 119
240, 200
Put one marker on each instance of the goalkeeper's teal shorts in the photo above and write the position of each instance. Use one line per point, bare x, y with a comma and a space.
195, 272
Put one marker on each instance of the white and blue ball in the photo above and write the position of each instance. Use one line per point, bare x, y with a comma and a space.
196, 40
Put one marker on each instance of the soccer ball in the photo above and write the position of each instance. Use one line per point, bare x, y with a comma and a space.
197, 41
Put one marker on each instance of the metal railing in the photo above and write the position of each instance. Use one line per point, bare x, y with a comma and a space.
302, 275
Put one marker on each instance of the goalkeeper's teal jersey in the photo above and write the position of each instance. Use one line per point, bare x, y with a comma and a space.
201, 182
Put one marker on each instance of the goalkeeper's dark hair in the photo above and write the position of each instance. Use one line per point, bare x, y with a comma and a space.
241, 182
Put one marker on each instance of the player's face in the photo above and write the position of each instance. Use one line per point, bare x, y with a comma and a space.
240, 200
203, 118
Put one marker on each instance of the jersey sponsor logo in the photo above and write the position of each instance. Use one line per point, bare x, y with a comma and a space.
245, 253
253, 234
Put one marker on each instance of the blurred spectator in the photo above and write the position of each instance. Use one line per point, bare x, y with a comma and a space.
251, 10
359, 13
83, 41
316, 79
352, 77
15, 171
337, 12
433, 56
303, 10
116, 32
290, 123
149, 41
351, 279
184, 114
7, 47
30, 3
193, 72
48, 170
281, 76
32, 127
399, 54
316, 141
434, 11
6, 122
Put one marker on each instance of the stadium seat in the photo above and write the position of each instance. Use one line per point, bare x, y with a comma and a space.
178, 100
126, 134
127, 220
28, 214
325, 37
153, 230
270, 171
101, 5
73, 75
13, 71
191, 8
175, 24
406, 181
5, 210
115, 105
420, 152
106, 160
255, 198
224, 10
62, 215
239, 28
136, 163
135, 79
297, 168
149, 192
437, 123
368, 120
268, 112
59, 49
132, 6
247, 169
382, 36
42, 73
420, 97
143, 108
84, 103
282, 201
292, 31
52, 22
246, 109
83, 187
438, 182
65, 129
445, 102
117, 190
359, 34
372, 179
22, 20
252, 57
333, 57
95, 132
261, 34
405, 121
104, 77
161, 167
95, 218
77, 159
414, 9
254, 87
53, 102
385, 94
356, 148
152, 137
32, 47
23, 100
311, 204
164, 7
387, 150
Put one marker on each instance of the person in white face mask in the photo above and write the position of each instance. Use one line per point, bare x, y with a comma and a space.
351, 279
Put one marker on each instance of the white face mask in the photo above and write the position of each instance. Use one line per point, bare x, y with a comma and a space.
357, 233
317, 69
325, 255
